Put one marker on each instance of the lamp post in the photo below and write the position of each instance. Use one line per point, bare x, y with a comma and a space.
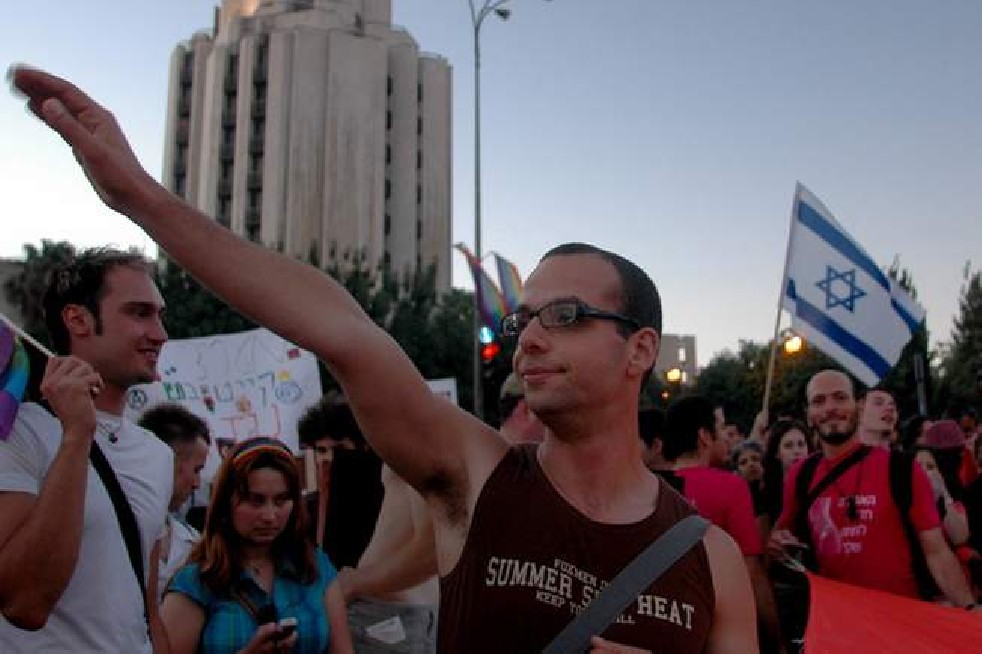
480, 11
478, 14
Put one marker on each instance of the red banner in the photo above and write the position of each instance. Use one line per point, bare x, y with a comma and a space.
848, 619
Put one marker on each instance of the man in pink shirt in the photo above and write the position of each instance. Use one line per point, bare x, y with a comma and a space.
699, 449
855, 530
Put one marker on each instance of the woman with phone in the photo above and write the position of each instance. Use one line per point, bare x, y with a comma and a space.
254, 583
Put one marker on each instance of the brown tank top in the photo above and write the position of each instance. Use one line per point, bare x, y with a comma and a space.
531, 562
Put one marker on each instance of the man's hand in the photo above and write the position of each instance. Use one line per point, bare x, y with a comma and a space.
599, 645
91, 131
68, 386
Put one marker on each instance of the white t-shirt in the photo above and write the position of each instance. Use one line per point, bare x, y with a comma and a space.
182, 538
101, 609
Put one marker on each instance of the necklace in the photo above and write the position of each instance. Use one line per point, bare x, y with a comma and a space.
110, 430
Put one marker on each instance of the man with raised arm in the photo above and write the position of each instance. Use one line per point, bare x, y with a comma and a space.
525, 536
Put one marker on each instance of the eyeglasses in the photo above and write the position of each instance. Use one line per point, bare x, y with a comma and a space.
560, 313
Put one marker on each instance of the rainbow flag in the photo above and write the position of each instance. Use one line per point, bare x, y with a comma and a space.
511, 282
490, 303
14, 369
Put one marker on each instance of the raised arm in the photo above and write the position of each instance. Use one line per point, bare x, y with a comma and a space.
429, 442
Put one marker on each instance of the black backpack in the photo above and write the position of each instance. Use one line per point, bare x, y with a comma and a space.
901, 490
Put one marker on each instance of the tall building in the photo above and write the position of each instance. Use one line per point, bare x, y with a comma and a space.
315, 126
677, 352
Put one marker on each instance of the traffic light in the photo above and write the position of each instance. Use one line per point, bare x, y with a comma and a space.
489, 351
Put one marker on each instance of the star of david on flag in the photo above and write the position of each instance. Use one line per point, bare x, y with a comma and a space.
839, 299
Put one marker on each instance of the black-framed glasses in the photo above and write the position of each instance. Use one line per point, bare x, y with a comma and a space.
560, 313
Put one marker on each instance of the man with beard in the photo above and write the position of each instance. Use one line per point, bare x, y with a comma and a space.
878, 418
853, 527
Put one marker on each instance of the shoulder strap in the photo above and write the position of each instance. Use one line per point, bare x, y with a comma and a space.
902, 490
124, 515
806, 496
648, 566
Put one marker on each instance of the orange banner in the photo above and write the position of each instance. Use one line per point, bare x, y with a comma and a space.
847, 619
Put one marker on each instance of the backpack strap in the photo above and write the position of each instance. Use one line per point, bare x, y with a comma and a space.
124, 515
805, 496
640, 573
902, 490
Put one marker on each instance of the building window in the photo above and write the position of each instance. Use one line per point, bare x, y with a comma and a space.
419, 92
419, 125
388, 224
681, 355
419, 229
388, 188
388, 153
685, 377
419, 159
389, 85
419, 194
388, 119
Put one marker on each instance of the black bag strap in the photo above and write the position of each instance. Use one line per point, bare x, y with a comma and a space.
125, 516
809, 466
805, 497
901, 488
640, 573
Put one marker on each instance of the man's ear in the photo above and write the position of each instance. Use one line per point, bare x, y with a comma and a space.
78, 320
644, 351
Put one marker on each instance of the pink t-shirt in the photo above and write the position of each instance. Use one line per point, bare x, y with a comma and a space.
723, 498
871, 551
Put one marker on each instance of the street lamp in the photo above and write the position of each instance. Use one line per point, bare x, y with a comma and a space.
793, 344
673, 376
478, 14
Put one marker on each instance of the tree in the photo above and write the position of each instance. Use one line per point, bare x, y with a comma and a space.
961, 365
901, 381
26, 289
434, 329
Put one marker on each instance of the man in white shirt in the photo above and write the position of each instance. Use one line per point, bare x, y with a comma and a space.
187, 435
67, 582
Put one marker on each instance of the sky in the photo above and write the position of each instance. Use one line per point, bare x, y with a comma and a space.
670, 132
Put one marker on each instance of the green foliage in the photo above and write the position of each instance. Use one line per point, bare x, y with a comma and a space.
26, 289
435, 330
736, 381
961, 364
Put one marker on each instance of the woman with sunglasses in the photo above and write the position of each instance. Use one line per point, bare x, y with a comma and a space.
254, 582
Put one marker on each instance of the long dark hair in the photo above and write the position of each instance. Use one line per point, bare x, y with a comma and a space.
218, 553
773, 468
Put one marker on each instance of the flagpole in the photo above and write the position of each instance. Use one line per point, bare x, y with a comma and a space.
27, 337
780, 296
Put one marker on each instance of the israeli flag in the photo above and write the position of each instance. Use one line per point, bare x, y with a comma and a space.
839, 299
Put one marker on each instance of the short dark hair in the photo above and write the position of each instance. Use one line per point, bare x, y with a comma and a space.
639, 296
329, 418
639, 299
651, 425
862, 393
685, 417
174, 424
82, 281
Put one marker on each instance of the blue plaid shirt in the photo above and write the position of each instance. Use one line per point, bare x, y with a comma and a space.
229, 626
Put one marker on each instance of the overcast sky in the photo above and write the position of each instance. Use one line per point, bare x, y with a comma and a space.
671, 132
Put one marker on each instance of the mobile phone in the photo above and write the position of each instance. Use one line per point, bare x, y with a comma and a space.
286, 627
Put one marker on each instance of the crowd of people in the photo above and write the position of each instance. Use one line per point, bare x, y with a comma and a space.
463, 537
